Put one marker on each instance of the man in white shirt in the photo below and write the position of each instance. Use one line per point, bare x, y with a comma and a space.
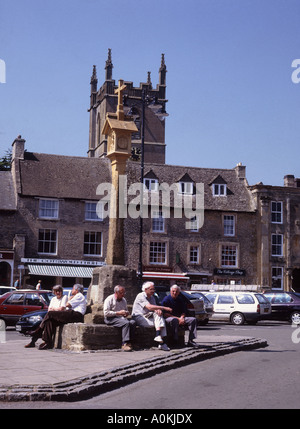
116, 313
146, 313
75, 310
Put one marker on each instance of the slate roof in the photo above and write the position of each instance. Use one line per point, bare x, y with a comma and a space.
7, 194
239, 197
55, 176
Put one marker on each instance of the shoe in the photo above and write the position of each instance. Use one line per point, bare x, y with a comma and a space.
158, 339
163, 347
30, 345
126, 347
44, 346
192, 344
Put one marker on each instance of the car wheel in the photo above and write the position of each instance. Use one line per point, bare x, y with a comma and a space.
237, 319
203, 322
295, 318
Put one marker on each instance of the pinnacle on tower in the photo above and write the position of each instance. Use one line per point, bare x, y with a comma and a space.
108, 66
162, 71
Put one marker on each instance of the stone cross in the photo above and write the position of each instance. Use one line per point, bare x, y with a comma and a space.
119, 91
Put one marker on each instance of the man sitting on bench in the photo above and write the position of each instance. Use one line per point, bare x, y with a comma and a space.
116, 313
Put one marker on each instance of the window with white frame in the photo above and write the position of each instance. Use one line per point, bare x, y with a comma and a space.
47, 241
158, 221
229, 225
194, 254
219, 189
277, 278
229, 255
158, 253
48, 208
151, 184
92, 243
277, 244
186, 188
93, 211
194, 224
276, 211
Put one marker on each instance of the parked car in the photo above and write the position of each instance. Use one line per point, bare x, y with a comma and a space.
285, 306
239, 307
5, 289
15, 304
30, 321
67, 291
208, 305
194, 304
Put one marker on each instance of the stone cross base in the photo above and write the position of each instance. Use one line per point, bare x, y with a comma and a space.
104, 280
82, 336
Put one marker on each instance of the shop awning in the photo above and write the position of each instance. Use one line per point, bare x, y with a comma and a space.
60, 271
158, 275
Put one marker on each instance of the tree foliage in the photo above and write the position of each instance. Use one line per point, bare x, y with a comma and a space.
5, 161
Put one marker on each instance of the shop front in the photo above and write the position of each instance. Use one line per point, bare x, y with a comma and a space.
58, 271
226, 276
166, 278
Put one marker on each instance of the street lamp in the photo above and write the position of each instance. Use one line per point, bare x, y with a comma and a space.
158, 110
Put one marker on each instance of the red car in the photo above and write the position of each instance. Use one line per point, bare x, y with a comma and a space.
15, 304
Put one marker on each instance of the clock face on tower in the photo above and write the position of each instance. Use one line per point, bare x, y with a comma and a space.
122, 143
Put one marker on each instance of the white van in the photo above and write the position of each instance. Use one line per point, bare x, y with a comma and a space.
239, 307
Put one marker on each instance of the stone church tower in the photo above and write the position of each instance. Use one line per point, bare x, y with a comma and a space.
105, 100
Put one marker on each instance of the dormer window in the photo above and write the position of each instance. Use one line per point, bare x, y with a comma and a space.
151, 184
219, 190
186, 185
151, 181
186, 188
219, 187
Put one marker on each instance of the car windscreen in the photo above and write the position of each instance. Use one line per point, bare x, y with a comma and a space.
261, 298
47, 297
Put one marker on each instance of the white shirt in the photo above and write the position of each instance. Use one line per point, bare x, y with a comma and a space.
58, 302
140, 302
78, 303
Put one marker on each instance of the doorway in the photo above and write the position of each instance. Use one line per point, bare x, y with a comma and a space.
5, 274
296, 280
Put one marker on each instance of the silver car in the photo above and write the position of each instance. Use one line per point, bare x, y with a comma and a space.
195, 305
208, 305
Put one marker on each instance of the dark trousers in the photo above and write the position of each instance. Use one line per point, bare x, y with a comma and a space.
57, 318
127, 326
190, 323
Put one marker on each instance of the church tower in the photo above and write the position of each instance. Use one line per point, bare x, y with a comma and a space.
105, 101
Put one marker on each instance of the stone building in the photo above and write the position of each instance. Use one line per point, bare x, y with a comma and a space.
54, 223
278, 234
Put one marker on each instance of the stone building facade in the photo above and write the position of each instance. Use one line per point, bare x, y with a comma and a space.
59, 230
54, 223
278, 234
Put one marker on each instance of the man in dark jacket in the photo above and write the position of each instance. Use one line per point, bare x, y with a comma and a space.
179, 317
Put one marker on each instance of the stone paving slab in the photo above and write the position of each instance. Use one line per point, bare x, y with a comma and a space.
56, 375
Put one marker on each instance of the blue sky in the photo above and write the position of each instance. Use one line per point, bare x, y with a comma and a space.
231, 96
